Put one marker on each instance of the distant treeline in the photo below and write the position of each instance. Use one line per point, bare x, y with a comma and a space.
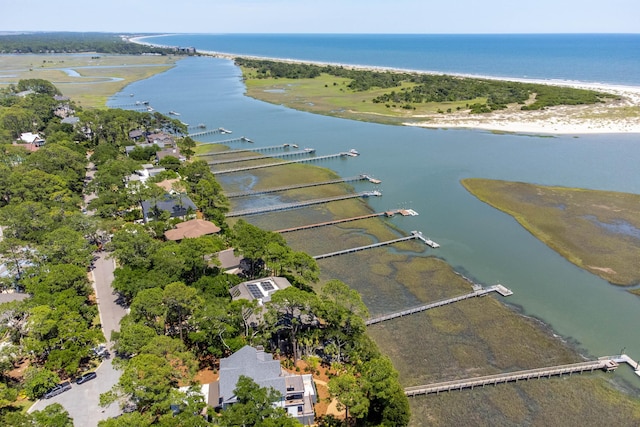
67, 42
434, 88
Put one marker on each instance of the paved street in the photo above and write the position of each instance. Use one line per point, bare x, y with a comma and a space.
82, 401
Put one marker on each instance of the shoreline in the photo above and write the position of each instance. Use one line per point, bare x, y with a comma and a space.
560, 120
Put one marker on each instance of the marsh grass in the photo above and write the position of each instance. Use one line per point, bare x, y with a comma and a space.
596, 230
95, 85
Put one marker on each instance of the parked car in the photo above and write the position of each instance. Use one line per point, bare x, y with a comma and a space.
86, 377
60, 388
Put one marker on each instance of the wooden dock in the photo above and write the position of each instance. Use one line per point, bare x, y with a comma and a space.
286, 162
470, 383
339, 221
294, 187
243, 150
306, 151
225, 141
412, 236
216, 131
296, 205
476, 293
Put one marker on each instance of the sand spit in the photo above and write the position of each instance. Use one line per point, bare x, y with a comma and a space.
612, 117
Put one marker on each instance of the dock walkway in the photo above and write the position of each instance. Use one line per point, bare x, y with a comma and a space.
243, 150
414, 235
606, 364
295, 205
476, 293
224, 141
262, 156
209, 132
287, 162
403, 212
295, 187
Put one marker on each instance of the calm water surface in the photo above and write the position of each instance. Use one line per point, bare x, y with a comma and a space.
422, 169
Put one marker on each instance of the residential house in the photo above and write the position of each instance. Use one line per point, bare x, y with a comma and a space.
191, 229
136, 135
298, 392
161, 139
32, 138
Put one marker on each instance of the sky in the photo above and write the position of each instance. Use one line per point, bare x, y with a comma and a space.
323, 16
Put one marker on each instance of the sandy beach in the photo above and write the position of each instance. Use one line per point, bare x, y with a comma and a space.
619, 116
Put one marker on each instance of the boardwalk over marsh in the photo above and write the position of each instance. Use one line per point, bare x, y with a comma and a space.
295, 205
476, 293
606, 364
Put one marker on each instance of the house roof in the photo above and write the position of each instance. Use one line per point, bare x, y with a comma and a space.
191, 229
260, 289
228, 259
30, 138
72, 120
252, 363
136, 133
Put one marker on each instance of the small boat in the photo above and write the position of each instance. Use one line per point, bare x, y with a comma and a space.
174, 113
353, 152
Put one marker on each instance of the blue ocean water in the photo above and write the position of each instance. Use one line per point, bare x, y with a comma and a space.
592, 58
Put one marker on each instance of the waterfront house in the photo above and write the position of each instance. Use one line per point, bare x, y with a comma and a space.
298, 392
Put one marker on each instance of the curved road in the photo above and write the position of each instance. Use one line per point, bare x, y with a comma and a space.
82, 401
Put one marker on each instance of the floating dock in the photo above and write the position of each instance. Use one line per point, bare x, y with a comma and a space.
295, 205
476, 293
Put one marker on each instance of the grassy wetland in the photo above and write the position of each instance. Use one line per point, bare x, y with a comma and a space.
474, 337
596, 230
99, 75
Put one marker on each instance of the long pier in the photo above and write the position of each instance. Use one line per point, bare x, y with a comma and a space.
287, 162
243, 150
295, 205
306, 151
412, 236
606, 364
296, 186
403, 212
476, 293
224, 141
210, 132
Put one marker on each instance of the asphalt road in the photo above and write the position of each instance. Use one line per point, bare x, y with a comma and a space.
82, 401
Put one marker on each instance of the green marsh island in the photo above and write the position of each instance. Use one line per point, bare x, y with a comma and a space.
596, 230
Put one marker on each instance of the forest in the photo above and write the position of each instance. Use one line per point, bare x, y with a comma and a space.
181, 318
71, 42
420, 88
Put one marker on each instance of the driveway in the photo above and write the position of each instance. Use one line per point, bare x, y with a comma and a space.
82, 401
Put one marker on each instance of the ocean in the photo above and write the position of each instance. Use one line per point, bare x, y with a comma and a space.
590, 58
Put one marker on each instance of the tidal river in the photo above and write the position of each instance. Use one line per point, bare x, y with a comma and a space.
422, 169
